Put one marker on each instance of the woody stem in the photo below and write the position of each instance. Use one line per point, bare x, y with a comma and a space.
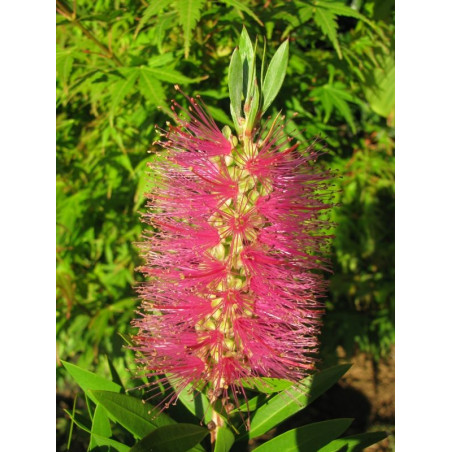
217, 422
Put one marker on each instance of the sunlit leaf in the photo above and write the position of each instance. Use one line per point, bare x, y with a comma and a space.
121, 89
101, 426
309, 438
235, 81
355, 443
381, 95
154, 8
242, 7
169, 75
225, 440
275, 75
326, 20
137, 417
116, 445
172, 438
189, 15
267, 385
286, 404
89, 381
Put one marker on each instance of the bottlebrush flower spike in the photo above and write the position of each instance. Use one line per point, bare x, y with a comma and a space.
233, 258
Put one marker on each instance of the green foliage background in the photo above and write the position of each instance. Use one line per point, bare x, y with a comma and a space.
117, 62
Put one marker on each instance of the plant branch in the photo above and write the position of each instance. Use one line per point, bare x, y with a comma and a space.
71, 16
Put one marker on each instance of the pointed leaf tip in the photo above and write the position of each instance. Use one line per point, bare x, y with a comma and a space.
275, 75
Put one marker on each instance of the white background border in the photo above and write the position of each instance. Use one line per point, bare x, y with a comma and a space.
423, 225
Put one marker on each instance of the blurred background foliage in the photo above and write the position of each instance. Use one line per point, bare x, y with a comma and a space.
117, 62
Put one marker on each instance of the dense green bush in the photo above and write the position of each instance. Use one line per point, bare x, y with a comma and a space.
117, 62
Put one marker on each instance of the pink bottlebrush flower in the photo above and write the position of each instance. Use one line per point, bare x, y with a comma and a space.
232, 259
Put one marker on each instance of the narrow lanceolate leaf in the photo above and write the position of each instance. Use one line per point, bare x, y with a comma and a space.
172, 438
189, 15
101, 426
197, 403
246, 46
254, 105
283, 405
225, 440
355, 443
267, 385
235, 81
89, 381
247, 57
114, 373
275, 75
108, 442
263, 62
326, 20
240, 6
252, 404
309, 438
135, 416
81, 424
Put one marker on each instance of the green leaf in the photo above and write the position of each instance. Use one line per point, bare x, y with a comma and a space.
326, 20
197, 403
219, 115
247, 57
341, 10
246, 47
235, 83
135, 416
152, 89
169, 75
171, 438
308, 438
114, 373
252, 404
275, 75
283, 405
305, 13
71, 428
78, 422
89, 381
263, 62
189, 15
381, 96
101, 426
225, 440
153, 8
267, 385
102, 441
240, 6
254, 105
335, 96
121, 89
161, 60
64, 62
355, 443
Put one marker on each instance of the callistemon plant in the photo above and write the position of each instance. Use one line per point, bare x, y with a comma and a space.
233, 260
